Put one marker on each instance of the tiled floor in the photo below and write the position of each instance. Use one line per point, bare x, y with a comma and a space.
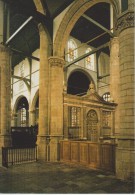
60, 178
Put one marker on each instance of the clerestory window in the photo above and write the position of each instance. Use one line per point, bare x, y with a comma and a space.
89, 60
72, 51
106, 97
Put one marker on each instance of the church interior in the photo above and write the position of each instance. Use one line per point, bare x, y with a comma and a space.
67, 83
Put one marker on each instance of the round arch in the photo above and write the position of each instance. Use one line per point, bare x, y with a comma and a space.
71, 17
78, 82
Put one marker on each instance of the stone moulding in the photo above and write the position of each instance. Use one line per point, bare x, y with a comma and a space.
125, 21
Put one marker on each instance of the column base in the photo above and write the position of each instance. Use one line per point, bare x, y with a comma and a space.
43, 151
55, 149
5, 141
125, 160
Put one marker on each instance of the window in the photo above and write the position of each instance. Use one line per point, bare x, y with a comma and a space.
23, 117
124, 5
107, 123
74, 123
22, 113
72, 51
89, 60
75, 116
106, 97
106, 115
21, 83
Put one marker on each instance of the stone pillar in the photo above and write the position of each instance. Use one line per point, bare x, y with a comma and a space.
125, 153
43, 129
5, 97
14, 120
115, 79
32, 117
56, 106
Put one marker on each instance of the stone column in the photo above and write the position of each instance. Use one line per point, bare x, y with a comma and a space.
115, 78
5, 97
56, 106
125, 160
14, 120
43, 129
32, 117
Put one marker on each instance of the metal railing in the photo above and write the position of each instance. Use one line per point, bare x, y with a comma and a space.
13, 156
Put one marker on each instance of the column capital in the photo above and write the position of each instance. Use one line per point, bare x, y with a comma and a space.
56, 61
41, 28
126, 20
4, 49
114, 40
31, 111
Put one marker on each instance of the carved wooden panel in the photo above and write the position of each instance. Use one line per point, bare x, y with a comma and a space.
107, 156
84, 153
66, 151
94, 155
92, 130
74, 151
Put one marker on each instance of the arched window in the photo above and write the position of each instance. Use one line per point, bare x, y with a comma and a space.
72, 51
22, 113
89, 60
106, 96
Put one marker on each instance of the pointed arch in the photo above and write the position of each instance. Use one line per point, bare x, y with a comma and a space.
33, 104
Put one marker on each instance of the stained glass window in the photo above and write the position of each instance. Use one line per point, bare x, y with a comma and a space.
89, 60
72, 51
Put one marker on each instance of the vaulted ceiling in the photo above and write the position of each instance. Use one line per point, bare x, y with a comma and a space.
27, 40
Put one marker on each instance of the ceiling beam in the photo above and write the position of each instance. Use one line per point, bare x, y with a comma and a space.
37, 16
99, 25
61, 8
18, 30
24, 54
20, 78
87, 54
101, 77
24, 79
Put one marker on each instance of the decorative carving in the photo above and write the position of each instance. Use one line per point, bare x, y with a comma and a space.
106, 119
91, 88
131, 5
92, 121
125, 21
56, 61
